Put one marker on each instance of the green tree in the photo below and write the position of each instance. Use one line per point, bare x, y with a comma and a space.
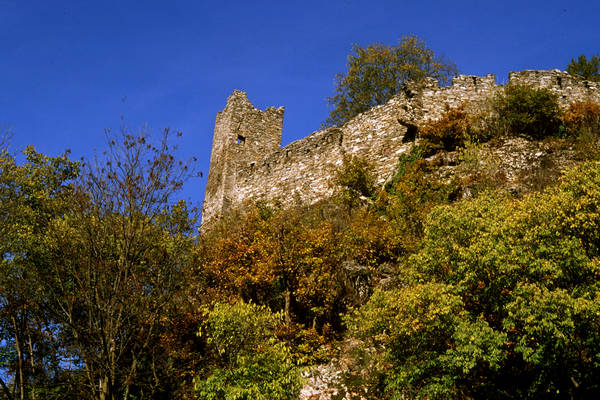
115, 265
588, 69
354, 181
378, 72
32, 195
248, 362
525, 111
500, 301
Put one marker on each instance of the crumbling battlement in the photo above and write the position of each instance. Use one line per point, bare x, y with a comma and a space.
248, 162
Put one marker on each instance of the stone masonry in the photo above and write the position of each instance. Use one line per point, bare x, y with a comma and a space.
247, 161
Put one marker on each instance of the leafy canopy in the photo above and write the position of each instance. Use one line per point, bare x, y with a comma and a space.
585, 68
251, 362
526, 111
378, 72
500, 301
354, 180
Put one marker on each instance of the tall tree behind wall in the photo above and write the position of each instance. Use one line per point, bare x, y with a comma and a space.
377, 72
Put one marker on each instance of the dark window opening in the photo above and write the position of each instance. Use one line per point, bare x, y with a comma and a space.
411, 131
559, 81
241, 139
474, 81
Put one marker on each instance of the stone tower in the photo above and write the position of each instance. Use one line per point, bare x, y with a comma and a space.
243, 136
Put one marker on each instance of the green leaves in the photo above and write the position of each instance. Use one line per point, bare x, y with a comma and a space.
585, 68
377, 72
231, 329
529, 112
500, 300
252, 363
476, 344
33, 194
355, 181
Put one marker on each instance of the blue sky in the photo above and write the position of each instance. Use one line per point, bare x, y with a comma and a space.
71, 69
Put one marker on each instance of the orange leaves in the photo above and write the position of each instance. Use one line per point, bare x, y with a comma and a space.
583, 115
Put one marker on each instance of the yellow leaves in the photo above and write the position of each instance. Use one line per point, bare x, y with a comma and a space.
416, 325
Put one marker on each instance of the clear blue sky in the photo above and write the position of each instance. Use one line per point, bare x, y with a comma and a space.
70, 69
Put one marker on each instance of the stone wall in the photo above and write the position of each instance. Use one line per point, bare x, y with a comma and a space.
569, 88
243, 135
248, 162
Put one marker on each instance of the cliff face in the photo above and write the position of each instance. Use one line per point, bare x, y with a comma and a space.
248, 162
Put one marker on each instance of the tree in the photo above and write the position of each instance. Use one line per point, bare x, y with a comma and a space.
585, 68
115, 264
249, 362
32, 195
500, 300
527, 111
354, 181
378, 72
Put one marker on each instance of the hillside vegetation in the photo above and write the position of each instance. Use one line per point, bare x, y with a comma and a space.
448, 282
438, 285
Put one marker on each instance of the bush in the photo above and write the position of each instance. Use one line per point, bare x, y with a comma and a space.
248, 360
408, 328
529, 112
452, 130
582, 116
582, 121
411, 194
355, 181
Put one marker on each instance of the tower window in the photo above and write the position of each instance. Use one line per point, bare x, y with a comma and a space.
411, 131
241, 139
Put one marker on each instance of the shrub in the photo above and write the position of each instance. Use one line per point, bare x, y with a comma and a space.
582, 116
500, 301
479, 169
529, 112
582, 120
248, 360
411, 193
355, 181
452, 130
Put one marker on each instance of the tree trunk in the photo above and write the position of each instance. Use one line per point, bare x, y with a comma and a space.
6, 390
103, 388
288, 300
32, 361
20, 358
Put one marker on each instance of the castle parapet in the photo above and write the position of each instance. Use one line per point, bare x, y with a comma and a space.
247, 160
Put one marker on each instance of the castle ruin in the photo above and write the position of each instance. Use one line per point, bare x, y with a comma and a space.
248, 162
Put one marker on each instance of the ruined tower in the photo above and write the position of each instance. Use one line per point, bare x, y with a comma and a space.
243, 136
